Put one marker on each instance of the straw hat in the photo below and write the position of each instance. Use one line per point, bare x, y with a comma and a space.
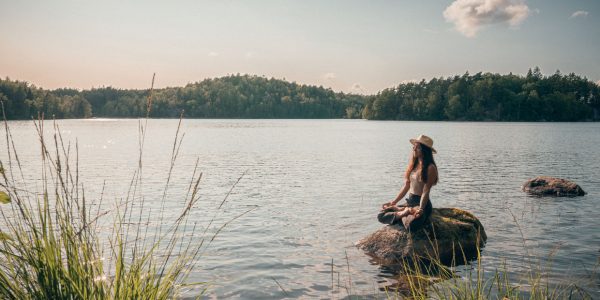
424, 140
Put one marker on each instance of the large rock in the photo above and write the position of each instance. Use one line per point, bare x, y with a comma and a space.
450, 236
550, 186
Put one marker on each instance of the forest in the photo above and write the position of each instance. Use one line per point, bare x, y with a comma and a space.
489, 97
235, 96
478, 97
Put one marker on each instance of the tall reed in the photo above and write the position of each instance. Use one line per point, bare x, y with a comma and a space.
51, 245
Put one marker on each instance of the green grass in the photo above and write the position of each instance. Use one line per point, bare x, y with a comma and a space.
49, 241
431, 279
51, 244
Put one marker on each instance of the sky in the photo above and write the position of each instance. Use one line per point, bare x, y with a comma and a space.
350, 46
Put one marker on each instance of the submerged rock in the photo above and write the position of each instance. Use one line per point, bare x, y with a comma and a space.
450, 235
550, 186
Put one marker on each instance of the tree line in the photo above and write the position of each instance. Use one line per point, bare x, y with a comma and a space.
235, 96
490, 97
479, 97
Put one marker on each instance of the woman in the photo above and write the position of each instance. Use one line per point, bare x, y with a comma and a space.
419, 177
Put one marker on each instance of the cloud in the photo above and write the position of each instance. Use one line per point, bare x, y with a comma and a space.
249, 54
469, 16
579, 13
213, 54
329, 76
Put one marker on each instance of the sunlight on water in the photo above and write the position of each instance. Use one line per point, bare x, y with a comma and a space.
314, 187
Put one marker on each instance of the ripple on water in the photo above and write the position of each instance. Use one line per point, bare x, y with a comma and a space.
314, 187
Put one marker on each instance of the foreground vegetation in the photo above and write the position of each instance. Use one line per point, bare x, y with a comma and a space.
430, 278
479, 97
51, 246
434, 280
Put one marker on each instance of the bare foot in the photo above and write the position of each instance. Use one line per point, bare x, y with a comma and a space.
402, 213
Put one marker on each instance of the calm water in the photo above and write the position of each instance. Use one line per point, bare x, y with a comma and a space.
316, 185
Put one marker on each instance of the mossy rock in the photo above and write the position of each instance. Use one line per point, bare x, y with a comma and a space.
551, 186
450, 236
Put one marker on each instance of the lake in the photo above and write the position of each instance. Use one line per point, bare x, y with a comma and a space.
314, 187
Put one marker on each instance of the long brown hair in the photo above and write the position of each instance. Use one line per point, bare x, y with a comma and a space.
427, 160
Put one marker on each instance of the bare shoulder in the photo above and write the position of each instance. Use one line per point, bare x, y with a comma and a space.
432, 169
432, 177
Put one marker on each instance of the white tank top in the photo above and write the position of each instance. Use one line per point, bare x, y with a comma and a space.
416, 185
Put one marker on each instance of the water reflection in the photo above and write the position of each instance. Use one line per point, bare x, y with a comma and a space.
317, 185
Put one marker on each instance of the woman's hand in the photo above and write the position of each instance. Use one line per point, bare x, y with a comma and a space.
388, 205
418, 213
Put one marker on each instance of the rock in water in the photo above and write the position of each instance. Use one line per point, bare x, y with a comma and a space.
450, 236
550, 186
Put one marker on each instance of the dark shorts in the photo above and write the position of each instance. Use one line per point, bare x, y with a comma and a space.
409, 222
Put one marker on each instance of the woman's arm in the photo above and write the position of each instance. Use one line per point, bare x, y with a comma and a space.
431, 180
403, 192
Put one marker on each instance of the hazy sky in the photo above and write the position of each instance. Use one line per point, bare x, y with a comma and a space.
352, 46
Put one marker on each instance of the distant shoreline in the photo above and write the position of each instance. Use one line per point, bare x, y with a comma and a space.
304, 119
480, 97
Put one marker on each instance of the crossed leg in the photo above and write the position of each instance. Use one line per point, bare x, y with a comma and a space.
403, 212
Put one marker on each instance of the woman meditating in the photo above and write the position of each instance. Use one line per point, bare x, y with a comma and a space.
419, 177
